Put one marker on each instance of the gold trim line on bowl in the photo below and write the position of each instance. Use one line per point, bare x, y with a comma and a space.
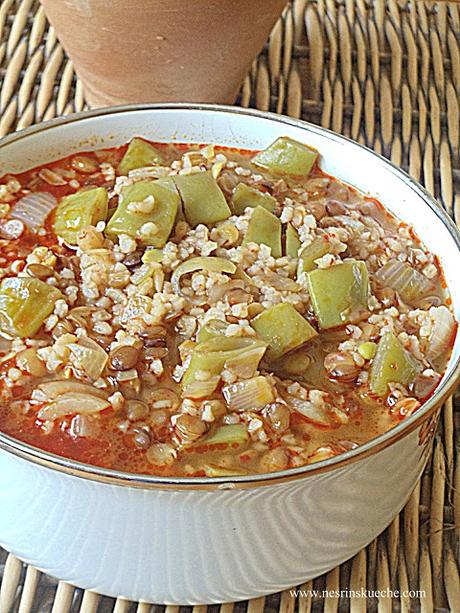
99, 474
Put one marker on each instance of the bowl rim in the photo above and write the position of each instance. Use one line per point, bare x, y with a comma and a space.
371, 447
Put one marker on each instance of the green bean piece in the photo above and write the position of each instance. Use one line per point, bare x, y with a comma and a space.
391, 364
245, 196
264, 228
287, 156
315, 250
213, 355
367, 350
152, 255
202, 199
233, 433
213, 328
78, 211
293, 243
339, 294
25, 303
140, 153
152, 227
283, 328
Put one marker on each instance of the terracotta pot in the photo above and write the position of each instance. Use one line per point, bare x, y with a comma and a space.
162, 50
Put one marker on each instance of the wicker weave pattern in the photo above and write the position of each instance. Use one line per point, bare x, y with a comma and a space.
386, 73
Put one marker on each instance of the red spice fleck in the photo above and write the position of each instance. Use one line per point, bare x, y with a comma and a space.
18, 391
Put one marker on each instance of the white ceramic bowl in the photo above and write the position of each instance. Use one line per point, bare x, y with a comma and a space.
187, 541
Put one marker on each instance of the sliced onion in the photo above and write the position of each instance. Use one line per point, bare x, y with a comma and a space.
89, 357
201, 389
217, 292
314, 413
281, 283
341, 416
252, 394
34, 208
67, 404
241, 274
209, 263
322, 453
442, 333
84, 426
373, 209
425, 384
54, 389
79, 315
410, 284
245, 363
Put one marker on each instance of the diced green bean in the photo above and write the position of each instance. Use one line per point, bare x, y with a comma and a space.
233, 433
150, 228
211, 329
213, 355
245, 196
283, 328
25, 303
339, 293
391, 364
78, 211
287, 156
293, 243
367, 350
202, 199
264, 228
152, 255
140, 153
315, 250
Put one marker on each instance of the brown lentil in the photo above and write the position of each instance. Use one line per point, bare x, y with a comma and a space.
341, 366
84, 164
189, 427
124, 357
161, 454
136, 410
40, 271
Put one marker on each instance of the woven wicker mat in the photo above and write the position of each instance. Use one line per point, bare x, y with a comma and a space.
386, 73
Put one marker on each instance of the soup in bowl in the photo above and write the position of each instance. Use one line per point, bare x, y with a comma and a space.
210, 298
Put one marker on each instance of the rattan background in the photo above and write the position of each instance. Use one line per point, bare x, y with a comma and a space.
386, 73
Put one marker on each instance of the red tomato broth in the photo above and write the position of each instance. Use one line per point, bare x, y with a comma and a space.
114, 448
